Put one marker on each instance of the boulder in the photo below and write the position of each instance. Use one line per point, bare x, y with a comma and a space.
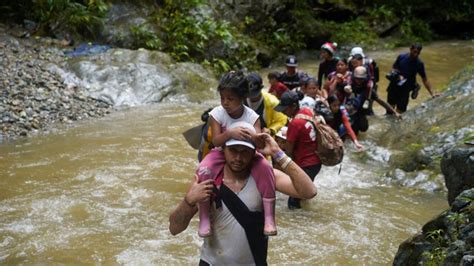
446, 240
123, 77
458, 169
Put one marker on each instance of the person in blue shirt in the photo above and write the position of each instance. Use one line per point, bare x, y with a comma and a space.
407, 66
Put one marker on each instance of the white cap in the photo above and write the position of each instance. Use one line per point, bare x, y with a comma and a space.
308, 102
360, 72
248, 143
357, 50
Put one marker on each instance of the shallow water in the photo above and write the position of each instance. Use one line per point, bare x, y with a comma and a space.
101, 193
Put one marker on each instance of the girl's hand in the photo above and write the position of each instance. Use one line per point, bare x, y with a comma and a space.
358, 146
240, 133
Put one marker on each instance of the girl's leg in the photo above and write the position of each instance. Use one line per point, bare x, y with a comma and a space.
262, 172
209, 168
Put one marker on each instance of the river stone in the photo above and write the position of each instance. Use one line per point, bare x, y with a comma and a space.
455, 253
411, 251
123, 77
467, 260
458, 169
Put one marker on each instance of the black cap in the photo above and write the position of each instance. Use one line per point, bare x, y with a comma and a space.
291, 61
287, 99
357, 57
255, 84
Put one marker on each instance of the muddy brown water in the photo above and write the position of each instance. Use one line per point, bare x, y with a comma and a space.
101, 192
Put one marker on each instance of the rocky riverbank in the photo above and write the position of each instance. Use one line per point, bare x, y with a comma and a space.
448, 239
32, 98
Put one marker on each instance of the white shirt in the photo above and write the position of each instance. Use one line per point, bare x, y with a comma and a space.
228, 244
222, 117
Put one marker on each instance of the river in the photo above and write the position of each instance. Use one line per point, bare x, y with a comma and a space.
101, 192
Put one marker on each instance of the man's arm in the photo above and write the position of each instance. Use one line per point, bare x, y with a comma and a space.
427, 84
184, 212
291, 179
290, 146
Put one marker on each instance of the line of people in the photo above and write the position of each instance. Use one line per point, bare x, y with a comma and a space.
257, 142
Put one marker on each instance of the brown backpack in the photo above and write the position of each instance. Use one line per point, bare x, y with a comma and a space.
330, 148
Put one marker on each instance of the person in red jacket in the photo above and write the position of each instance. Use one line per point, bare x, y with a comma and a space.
300, 138
276, 87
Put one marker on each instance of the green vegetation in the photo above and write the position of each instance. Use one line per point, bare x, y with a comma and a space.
438, 254
187, 33
71, 17
197, 30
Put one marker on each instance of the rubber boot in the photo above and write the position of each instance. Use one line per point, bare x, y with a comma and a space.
269, 214
204, 221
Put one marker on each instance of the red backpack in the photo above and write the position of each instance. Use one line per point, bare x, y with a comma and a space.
330, 149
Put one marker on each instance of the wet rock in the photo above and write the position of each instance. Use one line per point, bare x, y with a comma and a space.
445, 240
467, 260
458, 169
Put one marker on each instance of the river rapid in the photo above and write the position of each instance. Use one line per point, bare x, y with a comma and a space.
101, 192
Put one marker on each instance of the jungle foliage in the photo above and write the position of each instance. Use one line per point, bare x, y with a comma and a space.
48, 17
196, 30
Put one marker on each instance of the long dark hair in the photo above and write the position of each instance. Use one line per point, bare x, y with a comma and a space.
236, 82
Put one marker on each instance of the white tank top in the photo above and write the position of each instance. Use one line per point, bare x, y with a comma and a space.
228, 244
222, 117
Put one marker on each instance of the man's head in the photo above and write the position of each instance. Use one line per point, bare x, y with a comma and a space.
289, 103
415, 50
357, 60
255, 86
360, 75
328, 49
273, 78
357, 50
239, 153
291, 64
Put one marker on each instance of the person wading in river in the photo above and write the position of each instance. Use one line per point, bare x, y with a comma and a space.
290, 78
237, 207
300, 138
407, 65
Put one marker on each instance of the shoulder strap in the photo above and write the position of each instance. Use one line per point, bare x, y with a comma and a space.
252, 222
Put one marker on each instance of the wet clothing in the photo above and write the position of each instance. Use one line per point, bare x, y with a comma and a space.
278, 89
303, 135
312, 172
230, 243
359, 122
408, 67
398, 96
363, 92
325, 68
371, 66
269, 118
290, 81
342, 124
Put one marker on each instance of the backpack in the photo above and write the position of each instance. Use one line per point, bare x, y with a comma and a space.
330, 148
324, 111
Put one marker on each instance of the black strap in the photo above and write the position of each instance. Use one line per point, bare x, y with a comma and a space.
252, 222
